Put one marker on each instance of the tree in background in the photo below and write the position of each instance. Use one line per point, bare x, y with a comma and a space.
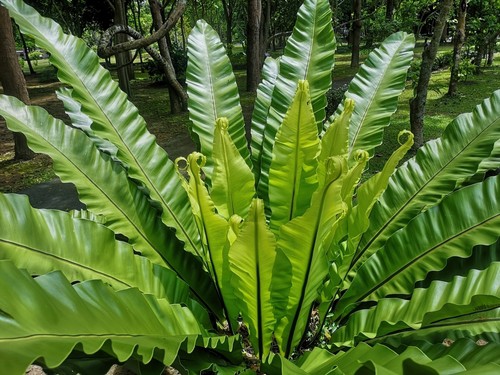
254, 57
12, 78
483, 29
75, 16
417, 103
458, 42
356, 32
178, 102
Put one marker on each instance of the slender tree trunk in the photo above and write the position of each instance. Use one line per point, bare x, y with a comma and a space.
417, 103
26, 52
122, 58
178, 97
389, 10
12, 78
491, 49
459, 40
253, 44
356, 33
228, 14
265, 31
480, 50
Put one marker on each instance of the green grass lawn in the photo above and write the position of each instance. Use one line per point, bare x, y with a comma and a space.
152, 101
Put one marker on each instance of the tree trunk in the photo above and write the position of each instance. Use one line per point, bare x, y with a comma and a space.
253, 44
122, 58
389, 10
12, 78
265, 31
26, 52
356, 33
178, 97
491, 49
458, 43
417, 103
228, 15
480, 50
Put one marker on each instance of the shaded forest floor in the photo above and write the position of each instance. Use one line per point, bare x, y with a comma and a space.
172, 130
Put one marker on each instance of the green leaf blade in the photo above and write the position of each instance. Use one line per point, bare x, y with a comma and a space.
212, 92
395, 268
425, 179
114, 118
292, 174
375, 90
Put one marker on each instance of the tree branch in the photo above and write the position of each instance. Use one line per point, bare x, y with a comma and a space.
106, 49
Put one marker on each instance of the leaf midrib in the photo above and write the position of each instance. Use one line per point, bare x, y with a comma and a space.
429, 181
420, 256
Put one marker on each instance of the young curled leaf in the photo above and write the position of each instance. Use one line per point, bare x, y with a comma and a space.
233, 184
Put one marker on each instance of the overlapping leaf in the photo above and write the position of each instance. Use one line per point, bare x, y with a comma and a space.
375, 90
126, 209
93, 87
440, 301
308, 55
436, 170
126, 323
468, 217
252, 258
261, 110
212, 92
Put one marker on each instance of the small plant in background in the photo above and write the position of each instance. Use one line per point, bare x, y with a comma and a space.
334, 97
179, 61
271, 259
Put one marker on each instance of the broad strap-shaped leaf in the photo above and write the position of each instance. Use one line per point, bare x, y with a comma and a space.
413, 359
114, 118
481, 258
375, 90
212, 227
482, 325
261, 110
335, 140
44, 240
233, 185
104, 187
81, 121
292, 175
212, 92
47, 317
437, 169
367, 195
466, 218
308, 55
251, 259
302, 241
475, 292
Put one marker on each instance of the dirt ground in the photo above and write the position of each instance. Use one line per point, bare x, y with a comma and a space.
18, 175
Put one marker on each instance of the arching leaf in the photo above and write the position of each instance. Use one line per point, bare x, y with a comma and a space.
212, 92
375, 90
78, 66
126, 323
308, 55
437, 169
441, 300
126, 209
466, 218
292, 175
